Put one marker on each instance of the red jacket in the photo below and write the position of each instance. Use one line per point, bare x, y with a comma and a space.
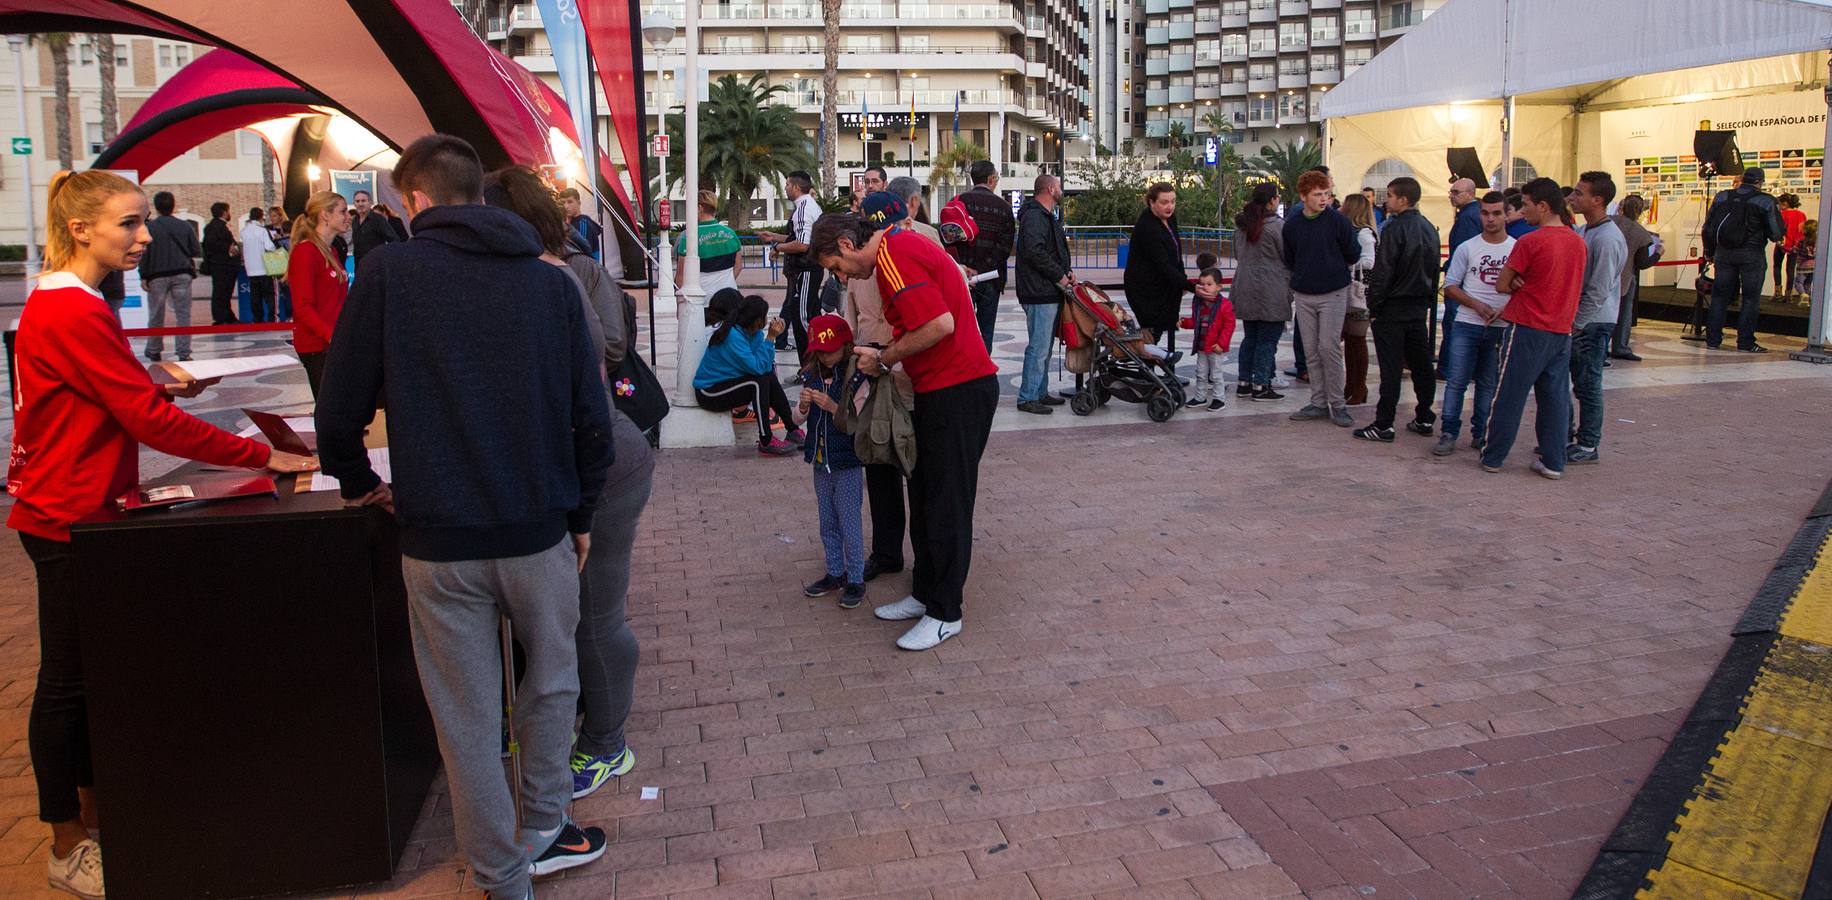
82, 405
1220, 319
318, 297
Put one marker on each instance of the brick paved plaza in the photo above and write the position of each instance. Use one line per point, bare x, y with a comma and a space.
1229, 656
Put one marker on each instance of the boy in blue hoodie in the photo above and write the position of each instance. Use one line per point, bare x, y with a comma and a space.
839, 477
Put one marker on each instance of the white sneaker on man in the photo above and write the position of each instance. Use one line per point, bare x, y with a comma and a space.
928, 633
907, 608
80, 873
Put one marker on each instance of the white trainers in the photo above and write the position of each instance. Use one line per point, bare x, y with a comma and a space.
907, 608
928, 633
80, 873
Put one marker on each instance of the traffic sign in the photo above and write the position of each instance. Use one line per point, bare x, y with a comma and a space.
658, 146
1211, 152
22, 146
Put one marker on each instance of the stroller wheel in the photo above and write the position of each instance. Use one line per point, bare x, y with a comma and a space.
1161, 407
1101, 394
1083, 403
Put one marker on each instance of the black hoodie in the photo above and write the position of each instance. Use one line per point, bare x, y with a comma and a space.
498, 427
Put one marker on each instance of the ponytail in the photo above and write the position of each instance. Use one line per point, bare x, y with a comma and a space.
305, 227
1252, 219
752, 309
76, 197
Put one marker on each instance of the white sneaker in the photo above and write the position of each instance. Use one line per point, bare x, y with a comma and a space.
1544, 472
80, 873
907, 608
928, 633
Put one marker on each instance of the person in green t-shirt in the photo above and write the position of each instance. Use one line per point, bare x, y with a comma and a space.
721, 254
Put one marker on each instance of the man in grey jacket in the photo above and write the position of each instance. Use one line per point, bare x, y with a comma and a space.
167, 269
1043, 271
1738, 229
1606, 252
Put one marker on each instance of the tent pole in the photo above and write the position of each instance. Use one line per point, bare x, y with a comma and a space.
1818, 339
1507, 142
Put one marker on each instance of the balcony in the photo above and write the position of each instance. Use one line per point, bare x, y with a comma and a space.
1360, 31
1291, 81
524, 17
1157, 96
1183, 62
1182, 93
1182, 31
1325, 76
1233, 89
1157, 65
1233, 53
1182, 4
1232, 22
1294, 43
1293, 8
1035, 26
1208, 27
1261, 49
1157, 128
1157, 7
1262, 12
1330, 38
1208, 90
1320, 5
1396, 22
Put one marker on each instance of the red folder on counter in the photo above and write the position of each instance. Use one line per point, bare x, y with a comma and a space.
280, 435
199, 488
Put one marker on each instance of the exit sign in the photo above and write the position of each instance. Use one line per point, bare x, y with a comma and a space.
22, 146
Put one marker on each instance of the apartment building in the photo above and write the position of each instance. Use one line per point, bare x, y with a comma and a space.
1260, 64
1019, 75
226, 168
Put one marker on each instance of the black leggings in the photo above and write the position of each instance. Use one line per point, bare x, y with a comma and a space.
763, 392
1786, 262
58, 731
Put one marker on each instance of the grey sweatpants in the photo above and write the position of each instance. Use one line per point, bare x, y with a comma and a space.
453, 607
1321, 316
172, 291
1209, 381
607, 647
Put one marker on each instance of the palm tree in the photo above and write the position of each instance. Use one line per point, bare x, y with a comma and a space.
949, 167
111, 105
830, 89
59, 43
1284, 164
746, 138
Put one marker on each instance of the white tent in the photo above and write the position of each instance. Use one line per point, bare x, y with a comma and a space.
1560, 86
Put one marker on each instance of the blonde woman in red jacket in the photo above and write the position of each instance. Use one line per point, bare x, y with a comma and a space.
82, 406
318, 282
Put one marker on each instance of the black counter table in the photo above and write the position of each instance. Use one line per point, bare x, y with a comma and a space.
255, 716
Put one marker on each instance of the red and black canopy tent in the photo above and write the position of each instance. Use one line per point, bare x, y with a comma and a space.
399, 68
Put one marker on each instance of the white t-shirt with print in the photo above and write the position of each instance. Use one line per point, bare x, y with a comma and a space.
1476, 268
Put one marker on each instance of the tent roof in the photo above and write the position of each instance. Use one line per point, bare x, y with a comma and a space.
1565, 48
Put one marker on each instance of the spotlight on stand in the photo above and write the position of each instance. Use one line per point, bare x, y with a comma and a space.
1717, 153
1464, 163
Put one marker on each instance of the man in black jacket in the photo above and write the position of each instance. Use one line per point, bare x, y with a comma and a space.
1738, 228
1401, 289
499, 433
221, 260
368, 228
1043, 271
166, 270
991, 247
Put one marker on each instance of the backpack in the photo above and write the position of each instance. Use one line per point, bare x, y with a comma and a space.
1735, 229
879, 422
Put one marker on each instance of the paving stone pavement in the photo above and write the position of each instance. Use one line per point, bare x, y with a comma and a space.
1228, 656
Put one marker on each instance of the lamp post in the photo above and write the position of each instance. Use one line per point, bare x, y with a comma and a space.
658, 30
31, 207
691, 306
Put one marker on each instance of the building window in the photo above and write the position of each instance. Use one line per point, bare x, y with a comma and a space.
182, 54
1356, 57
1323, 62
1292, 106
85, 54
1401, 15
1358, 22
92, 135
1208, 50
1324, 28
1263, 40
249, 143
1292, 36
165, 55
1260, 71
1261, 108
1234, 7
915, 43
1234, 44
736, 43
1293, 65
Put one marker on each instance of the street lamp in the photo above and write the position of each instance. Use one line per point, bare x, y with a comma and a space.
658, 30
31, 207
690, 311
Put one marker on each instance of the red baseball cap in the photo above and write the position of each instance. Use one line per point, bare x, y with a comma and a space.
828, 332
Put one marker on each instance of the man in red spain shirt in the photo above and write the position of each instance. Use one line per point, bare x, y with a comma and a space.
936, 339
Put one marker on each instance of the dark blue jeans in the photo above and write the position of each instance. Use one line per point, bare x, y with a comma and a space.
1538, 362
1733, 278
1474, 356
1259, 346
1297, 348
1589, 347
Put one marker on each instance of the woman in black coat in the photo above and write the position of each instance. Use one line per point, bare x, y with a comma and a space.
1155, 279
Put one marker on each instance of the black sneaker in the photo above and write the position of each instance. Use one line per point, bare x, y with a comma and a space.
1243, 390
1265, 393
1053, 400
1195, 403
1753, 348
852, 596
1035, 407
1217, 404
1374, 433
573, 847
1417, 427
827, 585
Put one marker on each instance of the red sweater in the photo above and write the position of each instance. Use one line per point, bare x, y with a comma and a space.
318, 297
82, 405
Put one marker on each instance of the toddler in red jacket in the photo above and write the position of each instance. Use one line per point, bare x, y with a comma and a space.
1211, 320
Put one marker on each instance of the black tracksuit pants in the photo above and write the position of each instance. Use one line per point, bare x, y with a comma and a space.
1407, 345
952, 425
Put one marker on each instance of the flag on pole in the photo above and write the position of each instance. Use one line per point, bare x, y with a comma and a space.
957, 113
864, 119
912, 117
566, 35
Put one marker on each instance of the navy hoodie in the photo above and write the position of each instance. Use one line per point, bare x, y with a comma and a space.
498, 427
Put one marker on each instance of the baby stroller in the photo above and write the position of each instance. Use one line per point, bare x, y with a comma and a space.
1101, 340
